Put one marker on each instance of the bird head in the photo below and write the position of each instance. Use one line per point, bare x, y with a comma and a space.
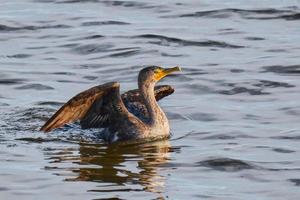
153, 74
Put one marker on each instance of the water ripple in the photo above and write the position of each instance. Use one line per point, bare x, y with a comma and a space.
98, 23
273, 84
226, 164
234, 117
166, 41
5, 28
35, 86
259, 14
296, 181
12, 81
23, 55
290, 69
92, 48
239, 90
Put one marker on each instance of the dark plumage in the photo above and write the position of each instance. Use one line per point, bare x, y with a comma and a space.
132, 115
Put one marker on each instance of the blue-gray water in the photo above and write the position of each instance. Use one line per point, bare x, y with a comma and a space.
234, 116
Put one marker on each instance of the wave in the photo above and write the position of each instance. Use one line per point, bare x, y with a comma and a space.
12, 81
99, 23
279, 69
263, 14
166, 41
35, 86
126, 4
5, 28
226, 164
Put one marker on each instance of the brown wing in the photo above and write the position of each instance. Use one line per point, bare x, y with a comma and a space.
99, 113
77, 107
93, 106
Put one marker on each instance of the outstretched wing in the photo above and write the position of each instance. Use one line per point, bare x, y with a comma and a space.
93, 107
99, 113
80, 105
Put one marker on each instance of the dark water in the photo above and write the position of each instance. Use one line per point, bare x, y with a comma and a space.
234, 116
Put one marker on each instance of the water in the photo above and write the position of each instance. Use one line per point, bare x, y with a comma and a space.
234, 115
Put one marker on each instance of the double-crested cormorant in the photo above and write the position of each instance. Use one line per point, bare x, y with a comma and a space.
132, 115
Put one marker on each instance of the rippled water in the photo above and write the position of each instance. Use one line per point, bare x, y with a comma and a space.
234, 116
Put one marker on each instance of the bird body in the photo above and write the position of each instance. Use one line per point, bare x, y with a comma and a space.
132, 115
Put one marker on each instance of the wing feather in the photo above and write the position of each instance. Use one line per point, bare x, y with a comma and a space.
92, 107
98, 115
77, 107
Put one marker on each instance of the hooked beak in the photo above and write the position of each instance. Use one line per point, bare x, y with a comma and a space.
171, 70
167, 71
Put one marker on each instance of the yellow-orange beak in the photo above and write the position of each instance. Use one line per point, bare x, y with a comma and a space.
166, 72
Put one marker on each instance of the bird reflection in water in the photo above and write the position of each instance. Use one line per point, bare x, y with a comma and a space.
122, 168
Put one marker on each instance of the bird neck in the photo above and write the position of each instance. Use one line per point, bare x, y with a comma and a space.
147, 93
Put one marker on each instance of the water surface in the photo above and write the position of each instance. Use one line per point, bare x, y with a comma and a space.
234, 115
